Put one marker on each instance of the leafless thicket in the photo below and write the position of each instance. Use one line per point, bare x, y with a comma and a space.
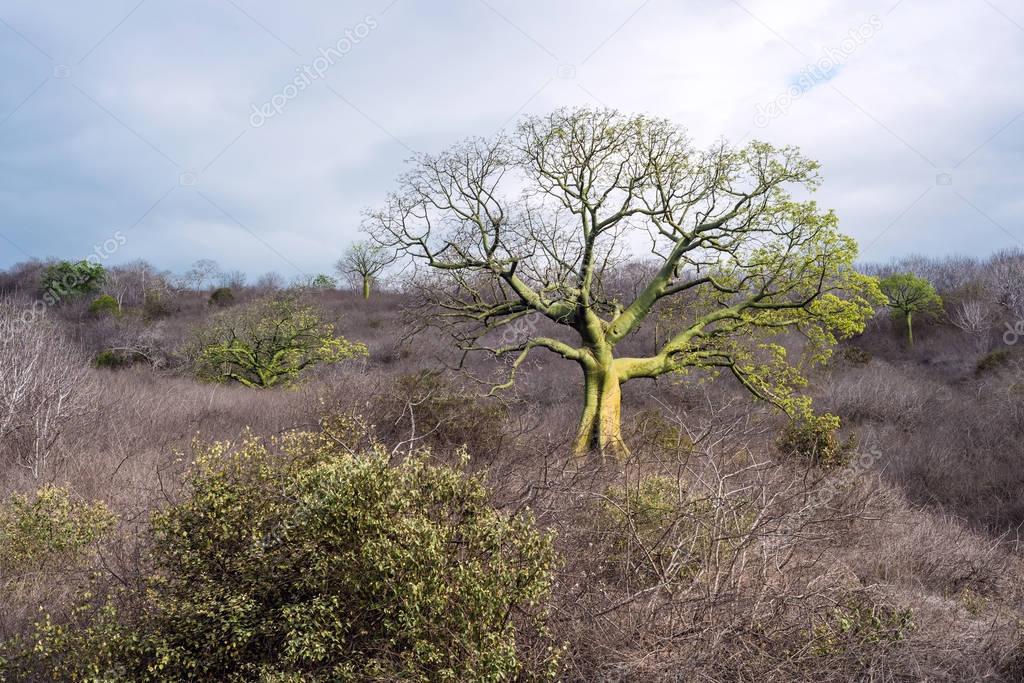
45, 386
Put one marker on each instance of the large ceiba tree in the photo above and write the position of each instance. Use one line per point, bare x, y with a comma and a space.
536, 224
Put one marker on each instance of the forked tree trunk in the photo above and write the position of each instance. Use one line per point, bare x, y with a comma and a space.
601, 423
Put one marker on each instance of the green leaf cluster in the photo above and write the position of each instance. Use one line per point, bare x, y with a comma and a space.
67, 279
267, 343
300, 559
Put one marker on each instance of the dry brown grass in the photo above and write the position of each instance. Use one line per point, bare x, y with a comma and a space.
745, 573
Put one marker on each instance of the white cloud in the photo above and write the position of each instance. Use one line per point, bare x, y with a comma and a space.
933, 84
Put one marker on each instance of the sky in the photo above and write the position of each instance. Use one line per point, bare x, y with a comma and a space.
255, 133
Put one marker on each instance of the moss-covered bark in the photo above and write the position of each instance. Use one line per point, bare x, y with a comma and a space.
601, 422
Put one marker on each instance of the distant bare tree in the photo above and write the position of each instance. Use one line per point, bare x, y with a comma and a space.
201, 273
45, 384
232, 279
22, 278
1005, 279
975, 318
270, 282
363, 264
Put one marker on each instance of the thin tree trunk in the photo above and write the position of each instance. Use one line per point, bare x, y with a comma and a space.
910, 330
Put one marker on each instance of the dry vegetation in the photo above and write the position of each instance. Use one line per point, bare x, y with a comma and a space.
712, 553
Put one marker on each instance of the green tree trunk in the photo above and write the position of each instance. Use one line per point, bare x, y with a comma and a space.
910, 330
601, 422
366, 288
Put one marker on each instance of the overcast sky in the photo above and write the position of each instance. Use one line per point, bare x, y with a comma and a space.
219, 129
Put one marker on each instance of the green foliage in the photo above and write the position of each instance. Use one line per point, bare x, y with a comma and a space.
647, 506
322, 281
731, 278
267, 343
67, 280
48, 528
657, 530
859, 624
105, 304
909, 295
856, 355
222, 296
299, 560
824, 300
815, 438
116, 359
993, 361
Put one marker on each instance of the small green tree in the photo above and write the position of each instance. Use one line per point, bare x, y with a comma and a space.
267, 343
66, 279
363, 263
909, 295
322, 281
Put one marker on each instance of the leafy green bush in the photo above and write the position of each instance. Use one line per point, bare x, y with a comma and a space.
655, 530
647, 506
993, 361
47, 529
856, 355
651, 427
322, 281
105, 304
816, 438
155, 306
860, 624
267, 343
116, 359
66, 280
298, 560
222, 297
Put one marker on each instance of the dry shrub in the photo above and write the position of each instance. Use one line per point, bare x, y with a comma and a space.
424, 408
709, 561
881, 392
45, 388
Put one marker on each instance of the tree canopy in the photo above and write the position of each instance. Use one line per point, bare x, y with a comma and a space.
363, 263
532, 224
69, 279
267, 343
909, 295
